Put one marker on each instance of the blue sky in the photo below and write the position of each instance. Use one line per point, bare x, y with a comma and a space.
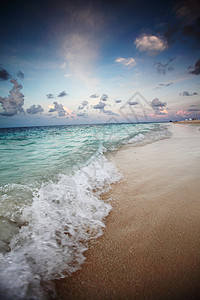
55, 55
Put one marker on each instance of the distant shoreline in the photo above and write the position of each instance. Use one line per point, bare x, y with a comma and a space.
188, 122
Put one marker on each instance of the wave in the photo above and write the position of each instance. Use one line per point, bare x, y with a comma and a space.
158, 133
56, 219
63, 217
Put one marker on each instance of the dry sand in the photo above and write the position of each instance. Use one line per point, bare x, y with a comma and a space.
151, 244
194, 122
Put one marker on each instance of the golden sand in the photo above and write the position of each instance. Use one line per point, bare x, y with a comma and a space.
150, 248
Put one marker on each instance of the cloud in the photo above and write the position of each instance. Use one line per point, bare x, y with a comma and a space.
63, 94
158, 107
35, 109
109, 112
157, 103
59, 108
94, 96
99, 106
50, 96
188, 94
165, 84
104, 97
84, 115
181, 113
133, 103
14, 102
196, 69
194, 109
163, 68
20, 75
128, 62
84, 104
189, 11
118, 101
4, 75
150, 43
68, 75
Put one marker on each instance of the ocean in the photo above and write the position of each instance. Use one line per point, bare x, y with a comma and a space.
51, 182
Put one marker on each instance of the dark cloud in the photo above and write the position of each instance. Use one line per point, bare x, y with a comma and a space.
63, 94
84, 104
35, 109
52, 110
14, 102
187, 24
163, 68
165, 84
104, 97
188, 94
59, 108
158, 106
194, 109
50, 96
157, 103
196, 69
4, 75
99, 106
20, 75
188, 11
94, 96
109, 112
133, 103
118, 101
84, 115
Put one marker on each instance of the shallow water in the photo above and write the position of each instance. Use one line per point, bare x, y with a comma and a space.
50, 206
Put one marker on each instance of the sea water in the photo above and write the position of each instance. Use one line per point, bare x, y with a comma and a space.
51, 181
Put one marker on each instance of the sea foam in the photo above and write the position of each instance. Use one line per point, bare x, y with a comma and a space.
63, 217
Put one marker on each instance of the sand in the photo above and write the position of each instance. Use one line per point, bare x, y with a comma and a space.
150, 248
193, 122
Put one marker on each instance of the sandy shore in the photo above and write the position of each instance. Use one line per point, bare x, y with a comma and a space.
151, 245
194, 122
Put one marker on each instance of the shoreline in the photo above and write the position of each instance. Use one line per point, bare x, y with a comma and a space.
192, 122
150, 246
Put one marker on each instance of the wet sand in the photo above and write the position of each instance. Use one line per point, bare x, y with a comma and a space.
151, 244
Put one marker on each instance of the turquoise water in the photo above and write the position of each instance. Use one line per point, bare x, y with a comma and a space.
51, 179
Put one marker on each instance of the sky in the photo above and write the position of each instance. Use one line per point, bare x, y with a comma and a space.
83, 62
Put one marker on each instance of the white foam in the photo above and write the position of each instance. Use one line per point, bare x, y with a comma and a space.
136, 138
159, 133
62, 218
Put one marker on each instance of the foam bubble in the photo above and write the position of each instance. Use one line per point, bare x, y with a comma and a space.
62, 218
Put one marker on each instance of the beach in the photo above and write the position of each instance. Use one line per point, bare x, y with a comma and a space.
150, 248
194, 122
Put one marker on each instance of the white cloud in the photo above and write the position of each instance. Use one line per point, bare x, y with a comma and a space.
150, 43
68, 75
128, 62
